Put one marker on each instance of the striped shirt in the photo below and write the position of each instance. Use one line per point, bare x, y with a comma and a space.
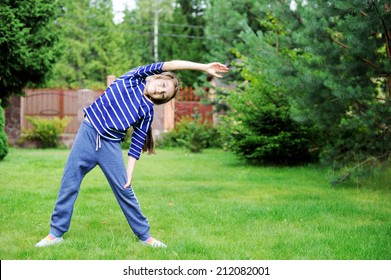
124, 105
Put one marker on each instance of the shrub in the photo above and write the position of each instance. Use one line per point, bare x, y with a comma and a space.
261, 131
191, 134
3, 136
45, 131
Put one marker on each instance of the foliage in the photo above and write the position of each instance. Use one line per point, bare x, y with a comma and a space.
224, 22
45, 131
28, 45
262, 132
180, 33
342, 77
138, 30
268, 136
332, 68
95, 47
3, 136
183, 37
365, 170
191, 134
259, 127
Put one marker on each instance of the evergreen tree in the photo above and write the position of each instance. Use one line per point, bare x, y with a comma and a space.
259, 125
28, 45
224, 23
342, 80
94, 46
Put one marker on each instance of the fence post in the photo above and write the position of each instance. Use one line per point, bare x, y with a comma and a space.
169, 115
62, 103
110, 79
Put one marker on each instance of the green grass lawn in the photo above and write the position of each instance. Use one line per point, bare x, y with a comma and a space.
205, 206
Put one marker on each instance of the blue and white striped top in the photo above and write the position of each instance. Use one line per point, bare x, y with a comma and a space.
124, 105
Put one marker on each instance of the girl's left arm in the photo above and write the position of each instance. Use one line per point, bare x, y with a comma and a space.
211, 68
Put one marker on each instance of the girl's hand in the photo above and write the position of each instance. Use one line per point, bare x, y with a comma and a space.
216, 67
128, 183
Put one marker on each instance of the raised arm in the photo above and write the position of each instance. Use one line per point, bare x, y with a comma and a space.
211, 68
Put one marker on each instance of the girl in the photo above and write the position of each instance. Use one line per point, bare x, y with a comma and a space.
127, 102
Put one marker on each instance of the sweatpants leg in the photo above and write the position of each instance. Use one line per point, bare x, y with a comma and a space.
81, 160
111, 161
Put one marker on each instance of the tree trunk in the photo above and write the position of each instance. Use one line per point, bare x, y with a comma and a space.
387, 6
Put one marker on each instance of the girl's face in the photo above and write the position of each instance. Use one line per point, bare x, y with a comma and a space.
159, 88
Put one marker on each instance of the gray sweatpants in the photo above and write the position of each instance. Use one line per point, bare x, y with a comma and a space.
89, 150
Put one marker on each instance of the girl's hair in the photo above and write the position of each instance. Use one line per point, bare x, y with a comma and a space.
149, 145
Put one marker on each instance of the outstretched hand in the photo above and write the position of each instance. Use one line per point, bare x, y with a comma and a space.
214, 68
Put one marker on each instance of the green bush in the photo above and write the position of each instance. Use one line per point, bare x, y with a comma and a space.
45, 131
191, 134
3, 136
264, 132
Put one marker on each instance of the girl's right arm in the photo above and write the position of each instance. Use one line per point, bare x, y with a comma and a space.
211, 68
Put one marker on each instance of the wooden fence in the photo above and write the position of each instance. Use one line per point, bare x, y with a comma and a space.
48, 103
190, 104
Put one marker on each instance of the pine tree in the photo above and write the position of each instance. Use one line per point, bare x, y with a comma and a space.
94, 47
259, 126
340, 78
28, 45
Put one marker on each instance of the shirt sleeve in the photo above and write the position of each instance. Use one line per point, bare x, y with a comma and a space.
148, 70
139, 135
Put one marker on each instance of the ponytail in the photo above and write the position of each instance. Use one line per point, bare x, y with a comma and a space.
149, 145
